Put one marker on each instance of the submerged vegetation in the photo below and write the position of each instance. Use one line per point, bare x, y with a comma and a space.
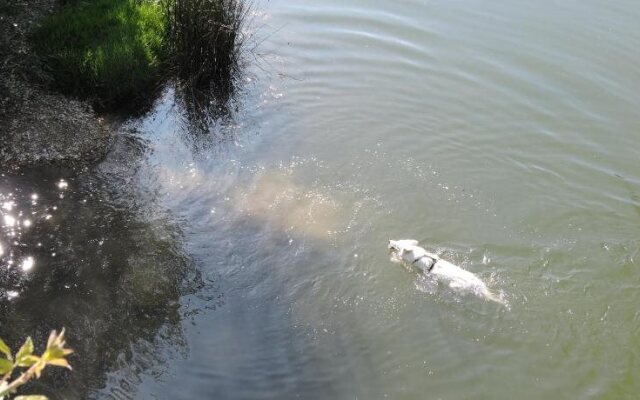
118, 51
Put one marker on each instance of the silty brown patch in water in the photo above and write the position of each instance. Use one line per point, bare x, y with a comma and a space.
275, 197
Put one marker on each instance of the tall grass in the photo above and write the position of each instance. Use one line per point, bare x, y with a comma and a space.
205, 38
108, 50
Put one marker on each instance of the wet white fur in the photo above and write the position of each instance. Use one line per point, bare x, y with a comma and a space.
457, 278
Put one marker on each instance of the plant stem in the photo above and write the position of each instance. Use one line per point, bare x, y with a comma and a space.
21, 380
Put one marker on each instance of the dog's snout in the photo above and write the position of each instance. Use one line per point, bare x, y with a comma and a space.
392, 246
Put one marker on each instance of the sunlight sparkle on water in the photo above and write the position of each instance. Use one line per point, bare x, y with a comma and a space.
62, 184
28, 263
9, 221
12, 294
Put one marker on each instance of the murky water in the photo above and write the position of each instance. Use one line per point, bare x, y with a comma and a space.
250, 261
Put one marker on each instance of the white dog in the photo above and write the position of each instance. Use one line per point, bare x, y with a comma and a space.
459, 279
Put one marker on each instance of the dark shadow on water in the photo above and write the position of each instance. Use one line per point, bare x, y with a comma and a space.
99, 257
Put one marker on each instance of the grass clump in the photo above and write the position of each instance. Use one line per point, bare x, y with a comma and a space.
110, 51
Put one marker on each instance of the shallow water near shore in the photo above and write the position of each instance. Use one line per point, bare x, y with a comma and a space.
250, 262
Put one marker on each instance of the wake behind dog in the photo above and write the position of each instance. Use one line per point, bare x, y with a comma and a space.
428, 263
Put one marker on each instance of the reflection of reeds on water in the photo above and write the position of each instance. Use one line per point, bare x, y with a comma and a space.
201, 110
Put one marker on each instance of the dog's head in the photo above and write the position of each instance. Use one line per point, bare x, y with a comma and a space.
400, 246
401, 250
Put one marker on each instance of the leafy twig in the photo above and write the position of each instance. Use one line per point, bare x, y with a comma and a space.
54, 355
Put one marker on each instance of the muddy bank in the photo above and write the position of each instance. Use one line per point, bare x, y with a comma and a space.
38, 126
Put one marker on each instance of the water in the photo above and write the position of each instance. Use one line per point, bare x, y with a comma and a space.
251, 262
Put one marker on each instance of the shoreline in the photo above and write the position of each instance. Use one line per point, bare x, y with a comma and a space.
40, 126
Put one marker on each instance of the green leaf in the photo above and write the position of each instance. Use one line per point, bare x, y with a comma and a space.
5, 366
27, 361
5, 349
31, 397
25, 350
59, 362
53, 353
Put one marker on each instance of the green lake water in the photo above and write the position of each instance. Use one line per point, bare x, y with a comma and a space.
250, 261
